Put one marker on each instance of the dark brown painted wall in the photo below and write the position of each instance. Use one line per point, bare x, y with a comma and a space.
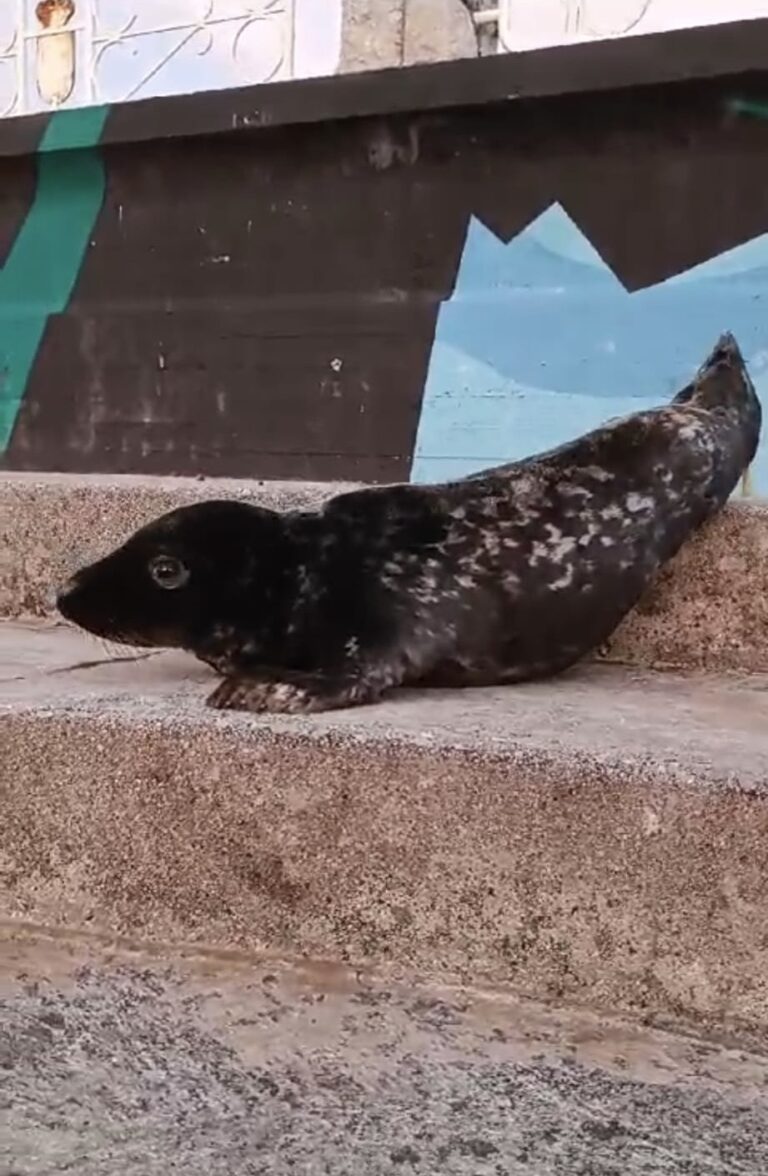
263, 303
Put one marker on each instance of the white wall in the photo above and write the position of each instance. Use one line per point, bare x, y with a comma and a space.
121, 49
533, 24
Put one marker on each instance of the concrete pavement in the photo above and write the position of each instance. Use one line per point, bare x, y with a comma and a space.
115, 1061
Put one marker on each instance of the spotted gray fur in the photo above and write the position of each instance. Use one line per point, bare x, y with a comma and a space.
511, 574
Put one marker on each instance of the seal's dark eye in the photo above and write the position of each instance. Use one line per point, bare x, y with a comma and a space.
168, 572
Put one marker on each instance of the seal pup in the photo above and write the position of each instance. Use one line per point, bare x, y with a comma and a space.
511, 574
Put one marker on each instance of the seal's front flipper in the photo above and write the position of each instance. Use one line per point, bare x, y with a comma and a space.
295, 694
747, 486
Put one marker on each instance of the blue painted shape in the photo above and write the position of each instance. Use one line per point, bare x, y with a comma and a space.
541, 341
42, 267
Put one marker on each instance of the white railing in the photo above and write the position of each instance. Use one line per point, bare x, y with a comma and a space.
533, 24
64, 53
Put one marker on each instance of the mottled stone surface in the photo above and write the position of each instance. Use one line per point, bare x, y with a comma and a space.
372, 34
708, 610
119, 1061
378, 34
709, 607
438, 30
600, 838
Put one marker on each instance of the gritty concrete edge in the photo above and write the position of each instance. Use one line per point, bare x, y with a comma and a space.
594, 875
293, 732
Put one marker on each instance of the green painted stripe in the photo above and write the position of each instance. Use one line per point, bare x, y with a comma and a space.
747, 106
43, 265
69, 129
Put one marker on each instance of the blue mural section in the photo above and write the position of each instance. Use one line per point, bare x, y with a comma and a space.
540, 341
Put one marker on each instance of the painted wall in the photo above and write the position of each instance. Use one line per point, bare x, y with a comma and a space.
533, 24
374, 299
541, 341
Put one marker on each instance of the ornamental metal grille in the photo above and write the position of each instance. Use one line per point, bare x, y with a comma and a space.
529, 24
65, 53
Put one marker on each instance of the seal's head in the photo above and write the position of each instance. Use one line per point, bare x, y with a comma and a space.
180, 576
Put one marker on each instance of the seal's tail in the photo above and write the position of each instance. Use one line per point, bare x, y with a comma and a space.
723, 387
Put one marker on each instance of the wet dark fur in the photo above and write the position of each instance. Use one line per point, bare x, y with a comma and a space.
511, 574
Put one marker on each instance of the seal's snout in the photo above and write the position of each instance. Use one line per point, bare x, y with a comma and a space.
723, 382
726, 350
727, 342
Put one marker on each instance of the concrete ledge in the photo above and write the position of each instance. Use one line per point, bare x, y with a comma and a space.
127, 1060
374, 35
709, 609
602, 838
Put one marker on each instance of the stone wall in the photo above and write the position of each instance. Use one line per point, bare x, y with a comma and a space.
378, 34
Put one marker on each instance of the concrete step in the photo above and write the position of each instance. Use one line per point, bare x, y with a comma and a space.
709, 609
132, 1061
601, 838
